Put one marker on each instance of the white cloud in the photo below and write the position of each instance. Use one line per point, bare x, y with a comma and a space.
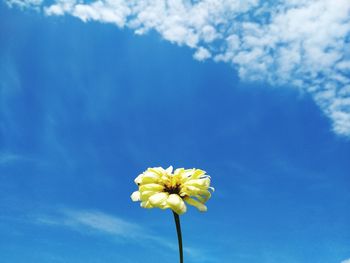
304, 43
202, 54
346, 261
25, 3
97, 222
6, 158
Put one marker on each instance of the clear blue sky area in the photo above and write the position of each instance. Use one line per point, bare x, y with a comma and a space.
86, 107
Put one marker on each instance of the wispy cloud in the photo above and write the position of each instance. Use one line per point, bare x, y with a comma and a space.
346, 261
300, 43
35, 4
8, 158
93, 220
12, 158
97, 222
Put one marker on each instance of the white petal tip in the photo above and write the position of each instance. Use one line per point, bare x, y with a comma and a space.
135, 196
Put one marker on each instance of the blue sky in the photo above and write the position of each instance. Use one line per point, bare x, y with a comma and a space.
86, 106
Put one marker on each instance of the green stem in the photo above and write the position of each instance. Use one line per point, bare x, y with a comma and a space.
179, 236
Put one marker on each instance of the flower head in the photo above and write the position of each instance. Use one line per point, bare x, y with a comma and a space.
164, 188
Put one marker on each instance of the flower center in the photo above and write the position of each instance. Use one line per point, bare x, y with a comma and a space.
172, 189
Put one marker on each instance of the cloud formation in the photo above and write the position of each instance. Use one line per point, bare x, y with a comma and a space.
346, 261
97, 222
300, 43
93, 220
6, 158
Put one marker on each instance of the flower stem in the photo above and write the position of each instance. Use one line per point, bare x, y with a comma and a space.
179, 236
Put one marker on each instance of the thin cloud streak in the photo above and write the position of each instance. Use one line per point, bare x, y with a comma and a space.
299, 43
98, 222
93, 220
6, 158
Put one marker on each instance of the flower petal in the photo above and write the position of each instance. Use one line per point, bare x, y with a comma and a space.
206, 194
169, 170
176, 203
197, 174
158, 170
135, 196
190, 190
193, 191
200, 183
186, 174
147, 177
201, 207
144, 195
179, 171
151, 187
138, 179
158, 199
146, 204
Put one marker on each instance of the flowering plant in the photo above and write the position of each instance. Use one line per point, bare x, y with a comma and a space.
165, 188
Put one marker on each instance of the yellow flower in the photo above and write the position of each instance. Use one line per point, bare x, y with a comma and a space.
167, 189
